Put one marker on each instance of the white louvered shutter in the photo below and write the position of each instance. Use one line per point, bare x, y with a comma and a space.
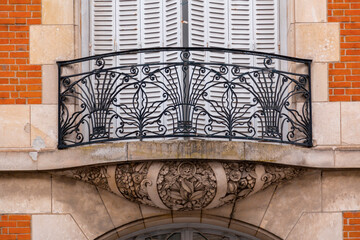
266, 37
119, 25
266, 26
102, 28
241, 33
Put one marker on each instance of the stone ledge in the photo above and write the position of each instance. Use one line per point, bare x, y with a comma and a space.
24, 159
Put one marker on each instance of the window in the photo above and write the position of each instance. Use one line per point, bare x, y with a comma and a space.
129, 24
187, 232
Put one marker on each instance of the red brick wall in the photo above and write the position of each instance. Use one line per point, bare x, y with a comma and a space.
15, 227
351, 225
344, 77
20, 82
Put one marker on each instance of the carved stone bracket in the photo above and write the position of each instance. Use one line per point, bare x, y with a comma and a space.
184, 185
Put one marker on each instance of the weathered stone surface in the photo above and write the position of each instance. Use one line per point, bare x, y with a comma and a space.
290, 200
121, 210
243, 227
318, 226
25, 193
55, 227
287, 154
218, 216
155, 216
81, 156
83, 202
347, 159
44, 126
49, 84
57, 12
185, 150
319, 82
341, 190
350, 119
310, 11
15, 125
318, 41
326, 123
51, 43
253, 208
187, 217
16, 161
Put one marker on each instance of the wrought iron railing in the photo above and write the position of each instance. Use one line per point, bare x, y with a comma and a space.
185, 92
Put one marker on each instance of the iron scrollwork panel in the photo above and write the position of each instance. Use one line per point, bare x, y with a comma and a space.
184, 98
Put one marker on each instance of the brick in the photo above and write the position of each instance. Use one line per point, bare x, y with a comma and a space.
352, 78
34, 101
354, 234
19, 217
20, 101
339, 98
353, 91
20, 1
30, 94
19, 230
7, 237
30, 67
338, 6
7, 223
24, 237
354, 221
20, 14
23, 224
339, 71
34, 88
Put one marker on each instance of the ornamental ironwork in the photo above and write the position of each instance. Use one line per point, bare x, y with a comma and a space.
185, 92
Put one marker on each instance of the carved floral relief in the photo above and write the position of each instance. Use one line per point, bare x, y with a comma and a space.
184, 185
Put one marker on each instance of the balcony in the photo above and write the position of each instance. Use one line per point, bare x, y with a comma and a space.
206, 93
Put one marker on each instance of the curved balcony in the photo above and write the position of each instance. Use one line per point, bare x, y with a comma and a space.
185, 92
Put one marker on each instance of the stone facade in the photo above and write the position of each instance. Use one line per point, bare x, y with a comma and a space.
37, 179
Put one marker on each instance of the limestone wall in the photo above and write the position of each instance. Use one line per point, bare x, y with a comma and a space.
309, 207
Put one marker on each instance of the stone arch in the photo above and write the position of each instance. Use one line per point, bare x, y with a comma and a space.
240, 229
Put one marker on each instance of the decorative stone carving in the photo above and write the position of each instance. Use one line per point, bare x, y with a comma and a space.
184, 185
131, 181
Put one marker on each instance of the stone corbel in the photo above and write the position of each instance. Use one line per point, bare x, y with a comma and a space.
184, 185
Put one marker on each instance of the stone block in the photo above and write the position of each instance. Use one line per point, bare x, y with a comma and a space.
16, 161
318, 226
326, 123
290, 200
318, 41
49, 84
82, 156
350, 119
253, 208
319, 82
121, 211
347, 159
57, 11
51, 43
25, 193
287, 154
44, 126
15, 125
84, 203
341, 190
307, 11
55, 227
